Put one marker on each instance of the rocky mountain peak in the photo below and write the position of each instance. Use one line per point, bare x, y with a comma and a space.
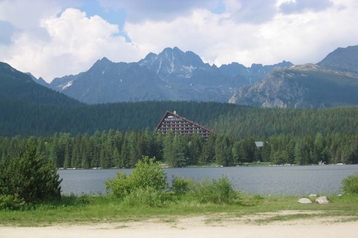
342, 59
148, 60
301, 86
172, 62
178, 56
103, 62
177, 75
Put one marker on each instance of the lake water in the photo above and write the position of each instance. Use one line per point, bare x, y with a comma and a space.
275, 180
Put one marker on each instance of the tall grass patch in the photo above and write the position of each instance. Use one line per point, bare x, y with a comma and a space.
146, 174
350, 184
144, 197
181, 186
218, 191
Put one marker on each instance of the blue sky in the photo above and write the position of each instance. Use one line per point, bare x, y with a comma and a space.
112, 15
53, 38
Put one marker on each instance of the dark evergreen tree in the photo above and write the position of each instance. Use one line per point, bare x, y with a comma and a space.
169, 155
30, 177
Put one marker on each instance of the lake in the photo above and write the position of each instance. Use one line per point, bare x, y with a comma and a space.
265, 180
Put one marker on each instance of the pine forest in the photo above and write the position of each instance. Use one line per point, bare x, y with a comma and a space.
118, 135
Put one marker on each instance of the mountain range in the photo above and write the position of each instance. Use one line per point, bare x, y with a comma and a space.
174, 75
27, 108
333, 82
170, 75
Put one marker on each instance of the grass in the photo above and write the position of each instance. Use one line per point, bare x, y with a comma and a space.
107, 209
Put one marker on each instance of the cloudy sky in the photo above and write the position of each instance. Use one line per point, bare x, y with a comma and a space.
53, 38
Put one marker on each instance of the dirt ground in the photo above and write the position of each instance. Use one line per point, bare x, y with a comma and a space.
199, 226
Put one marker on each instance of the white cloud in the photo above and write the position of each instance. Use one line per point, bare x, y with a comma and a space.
72, 44
300, 38
53, 40
25, 14
251, 11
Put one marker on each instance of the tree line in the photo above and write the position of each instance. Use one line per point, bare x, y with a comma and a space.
108, 149
30, 119
265, 122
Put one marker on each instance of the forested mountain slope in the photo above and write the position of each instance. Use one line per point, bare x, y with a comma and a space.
19, 118
35, 119
31, 109
18, 86
263, 122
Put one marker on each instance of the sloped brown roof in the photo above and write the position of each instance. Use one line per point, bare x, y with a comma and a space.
174, 115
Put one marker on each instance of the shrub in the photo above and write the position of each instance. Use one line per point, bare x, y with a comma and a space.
181, 185
30, 177
216, 191
350, 184
120, 185
11, 202
148, 197
146, 174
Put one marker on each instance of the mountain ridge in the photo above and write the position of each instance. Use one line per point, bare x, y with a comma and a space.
21, 87
325, 84
170, 75
175, 75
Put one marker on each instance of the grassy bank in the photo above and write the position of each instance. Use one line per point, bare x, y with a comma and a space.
108, 209
145, 194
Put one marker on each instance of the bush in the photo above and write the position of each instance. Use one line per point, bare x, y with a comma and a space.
146, 174
11, 202
120, 185
216, 191
350, 184
30, 177
148, 197
181, 185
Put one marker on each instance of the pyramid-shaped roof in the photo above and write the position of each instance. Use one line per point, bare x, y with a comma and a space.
171, 121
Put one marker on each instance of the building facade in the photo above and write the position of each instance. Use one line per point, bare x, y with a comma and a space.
179, 125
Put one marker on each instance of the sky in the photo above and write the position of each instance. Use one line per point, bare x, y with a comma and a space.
54, 38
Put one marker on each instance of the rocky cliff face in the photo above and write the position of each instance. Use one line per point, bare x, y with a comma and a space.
303, 86
173, 63
107, 82
273, 91
342, 59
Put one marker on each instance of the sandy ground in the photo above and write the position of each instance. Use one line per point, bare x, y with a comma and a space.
197, 227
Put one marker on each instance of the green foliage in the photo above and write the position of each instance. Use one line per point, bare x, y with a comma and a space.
11, 202
350, 184
21, 118
147, 174
18, 86
218, 191
265, 122
146, 197
181, 185
120, 185
29, 178
107, 209
114, 149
